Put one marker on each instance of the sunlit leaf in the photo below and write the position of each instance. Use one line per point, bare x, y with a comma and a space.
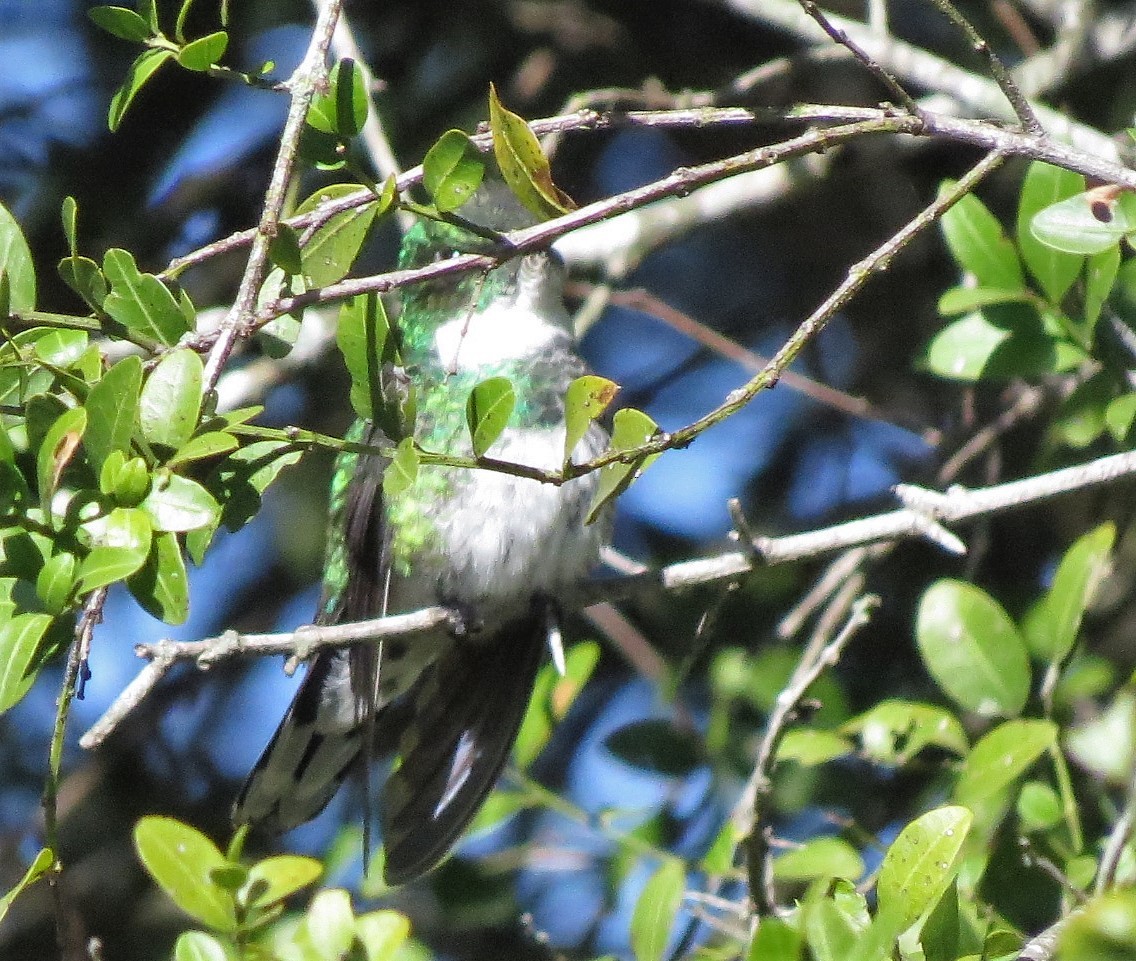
1001, 757
452, 170
171, 399
140, 71
181, 860
630, 428
19, 643
922, 862
487, 412
523, 164
16, 264
1043, 186
204, 52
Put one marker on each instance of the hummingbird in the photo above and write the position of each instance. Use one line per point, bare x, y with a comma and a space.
496, 549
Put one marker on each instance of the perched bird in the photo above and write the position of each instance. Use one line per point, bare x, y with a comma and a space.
497, 549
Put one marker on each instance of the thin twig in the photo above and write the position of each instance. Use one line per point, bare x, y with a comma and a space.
998, 71
308, 76
76, 659
926, 511
841, 37
749, 811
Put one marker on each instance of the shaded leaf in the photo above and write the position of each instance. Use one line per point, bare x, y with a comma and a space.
121, 22
56, 581
810, 747
161, 586
452, 170
402, 471
656, 745
655, 911
140, 71
332, 249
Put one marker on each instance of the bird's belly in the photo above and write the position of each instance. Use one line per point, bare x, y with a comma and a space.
500, 540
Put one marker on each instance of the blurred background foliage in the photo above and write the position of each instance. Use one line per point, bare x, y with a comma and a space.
189, 165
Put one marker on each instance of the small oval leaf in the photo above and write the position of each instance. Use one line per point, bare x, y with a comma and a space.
487, 412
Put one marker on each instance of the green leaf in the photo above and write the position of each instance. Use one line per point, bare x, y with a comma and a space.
161, 586
972, 649
140, 71
824, 857
203, 53
810, 747
1043, 186
112, 410
122, 542
831, 934
56, 581
963, 300
275, 878
922, 862
402, 471
895, 731
56, 451
1000, 342
199, 946
341, 111
1083, 224
487, 412
976, 241
332, 249
382, 934
330, 923
171, 399
658, 746
1001, 757
452, 170
585, 400
1039, 807
140, 301
365, 340
944, 930
630, 428
655, 911
84, 277
40, 865
16, 264
181, 860
1082, 569
19, 643
775, 940
1106, 743
523, 164
1119, 416
176, 503
284, 251
1103, 930
552, 697
1100, 275
121, 22
213, 443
